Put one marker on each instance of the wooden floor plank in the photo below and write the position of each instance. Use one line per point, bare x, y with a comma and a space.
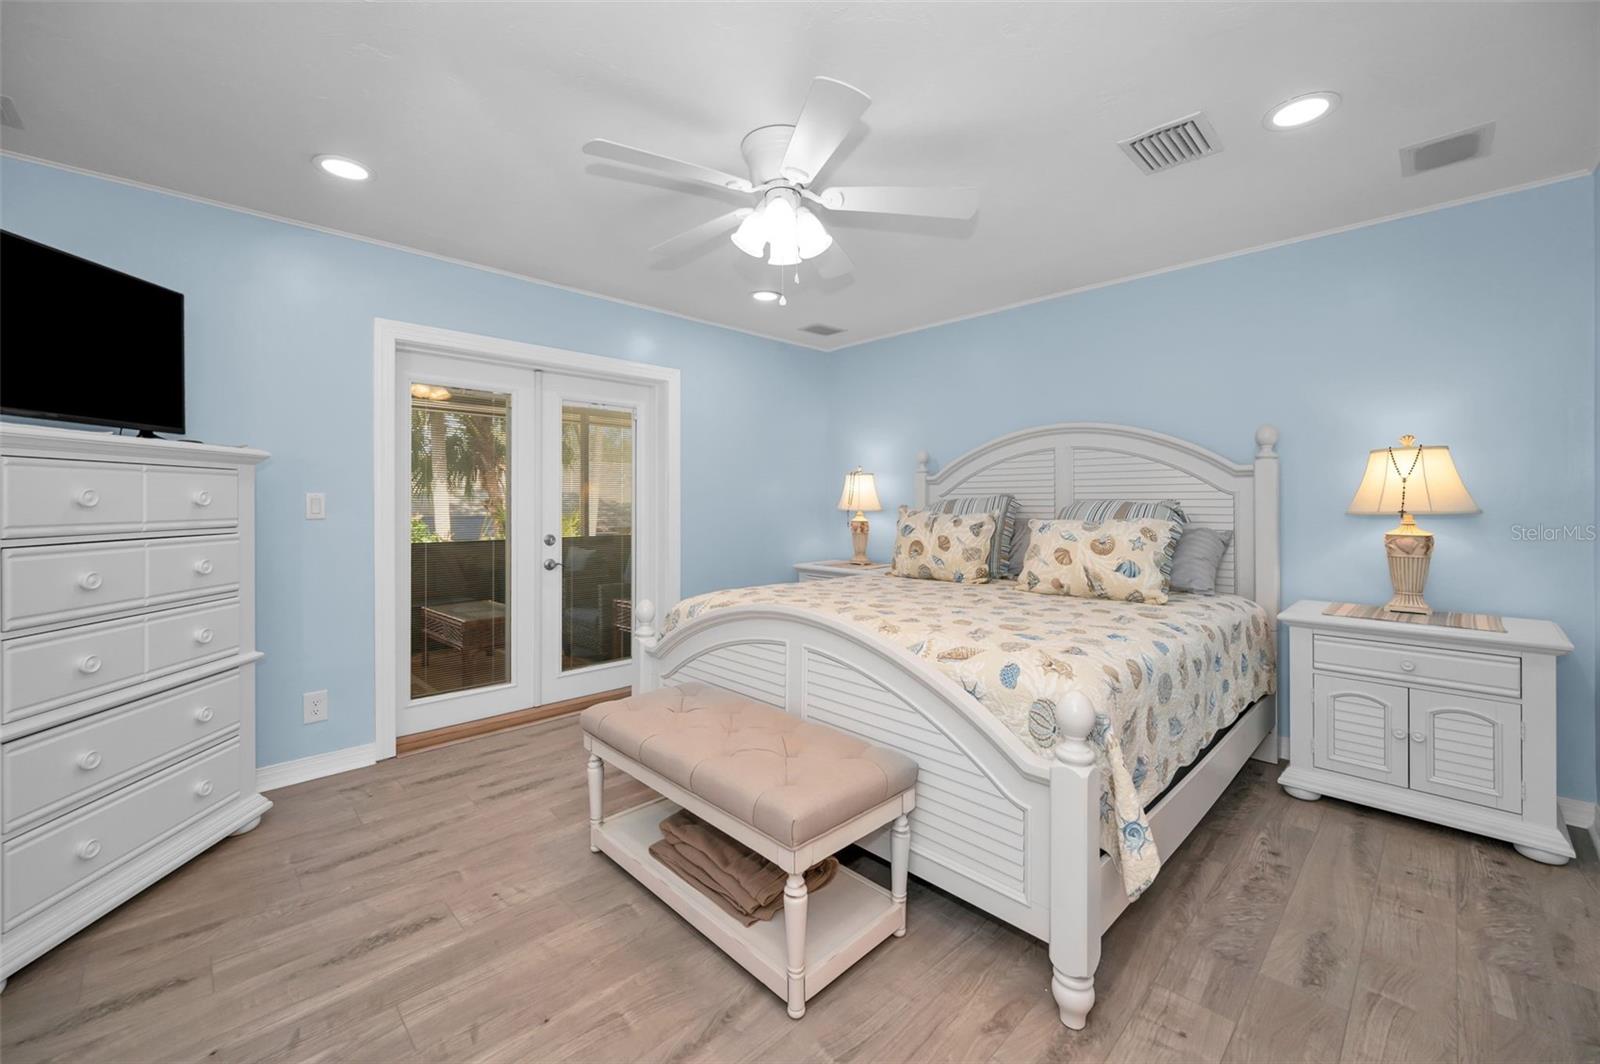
445, 906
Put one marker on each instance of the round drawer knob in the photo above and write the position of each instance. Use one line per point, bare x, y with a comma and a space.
204, 714
1399, 733
88, 498
202, 636
90, 581
1407, 665
88, 849
89, 665
1418, 737
203, 788
89, 760
203, 566
202, 498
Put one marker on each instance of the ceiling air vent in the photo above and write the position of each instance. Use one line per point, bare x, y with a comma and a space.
1456, 148
1174, 143
822, 330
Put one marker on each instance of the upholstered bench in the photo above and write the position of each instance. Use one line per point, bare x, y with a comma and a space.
792, 791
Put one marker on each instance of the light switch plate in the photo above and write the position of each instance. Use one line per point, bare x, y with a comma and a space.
316, 506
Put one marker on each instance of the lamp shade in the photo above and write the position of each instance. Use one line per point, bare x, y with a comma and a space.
860, 491
1425, 477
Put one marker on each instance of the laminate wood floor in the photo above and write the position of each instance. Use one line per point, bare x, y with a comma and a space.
445, 906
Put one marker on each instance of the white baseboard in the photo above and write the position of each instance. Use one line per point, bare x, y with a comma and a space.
288, 773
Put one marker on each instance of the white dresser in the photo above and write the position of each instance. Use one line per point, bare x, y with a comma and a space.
1443, 724
127, 661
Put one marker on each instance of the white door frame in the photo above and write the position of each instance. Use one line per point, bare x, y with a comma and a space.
657, 577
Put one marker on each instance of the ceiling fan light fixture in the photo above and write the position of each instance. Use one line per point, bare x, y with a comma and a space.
751, 236
783, 234
811, 237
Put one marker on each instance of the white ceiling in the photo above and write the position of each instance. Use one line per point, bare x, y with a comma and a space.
472, 116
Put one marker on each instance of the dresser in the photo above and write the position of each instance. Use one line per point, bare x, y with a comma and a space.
1449, 725
127, 661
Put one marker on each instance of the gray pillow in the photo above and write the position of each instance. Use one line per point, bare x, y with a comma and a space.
1199, 556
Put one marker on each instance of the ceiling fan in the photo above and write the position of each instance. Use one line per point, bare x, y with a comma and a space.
784, 162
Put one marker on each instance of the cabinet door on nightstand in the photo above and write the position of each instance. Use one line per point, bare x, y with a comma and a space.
1358, 728
1465, 748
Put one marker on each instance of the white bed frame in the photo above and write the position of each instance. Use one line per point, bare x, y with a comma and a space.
1012, 832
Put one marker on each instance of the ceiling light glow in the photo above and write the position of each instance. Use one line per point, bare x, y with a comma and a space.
339, 166
1302, 110
765, 296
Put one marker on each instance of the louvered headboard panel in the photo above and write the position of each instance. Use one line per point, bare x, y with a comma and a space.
1048, 467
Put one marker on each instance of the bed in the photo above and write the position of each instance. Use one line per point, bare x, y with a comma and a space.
1018, 827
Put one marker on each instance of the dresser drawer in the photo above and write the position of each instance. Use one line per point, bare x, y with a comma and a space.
179, 497
1493, 673
44, 672
67, 766
190, 567
70, 853
47, 584
45, 496
193, 636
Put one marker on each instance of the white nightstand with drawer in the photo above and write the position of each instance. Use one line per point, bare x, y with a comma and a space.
831, 570
1451, 725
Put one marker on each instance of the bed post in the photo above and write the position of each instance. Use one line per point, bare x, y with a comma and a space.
1266, 575
919, 482
644, 647
1074, 863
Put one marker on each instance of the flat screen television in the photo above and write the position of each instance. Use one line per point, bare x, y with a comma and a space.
82, 342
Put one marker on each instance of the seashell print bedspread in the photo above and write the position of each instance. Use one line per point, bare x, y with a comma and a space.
1163, 679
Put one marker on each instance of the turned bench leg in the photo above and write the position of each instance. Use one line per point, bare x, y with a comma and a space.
597, 785
794, 929
899, 857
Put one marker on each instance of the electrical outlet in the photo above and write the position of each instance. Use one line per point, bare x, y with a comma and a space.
316, 706
316, 506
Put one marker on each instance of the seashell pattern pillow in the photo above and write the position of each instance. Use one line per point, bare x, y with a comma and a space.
1124, 560
935, 546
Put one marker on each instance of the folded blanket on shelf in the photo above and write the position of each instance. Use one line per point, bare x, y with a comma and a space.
744, 884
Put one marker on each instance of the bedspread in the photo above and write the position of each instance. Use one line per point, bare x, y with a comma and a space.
1163, 679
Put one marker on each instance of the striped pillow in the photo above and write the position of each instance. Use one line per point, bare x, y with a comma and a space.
1007, 515
1094, 511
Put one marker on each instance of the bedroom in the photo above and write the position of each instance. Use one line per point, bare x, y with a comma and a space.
1246, 331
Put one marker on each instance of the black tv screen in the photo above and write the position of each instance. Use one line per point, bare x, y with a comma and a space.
82, 342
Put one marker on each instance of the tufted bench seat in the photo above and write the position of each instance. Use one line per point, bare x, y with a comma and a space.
793, 791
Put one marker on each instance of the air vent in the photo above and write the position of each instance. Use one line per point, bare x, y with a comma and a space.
822, 330
8, 114
1446, 151
1173, 144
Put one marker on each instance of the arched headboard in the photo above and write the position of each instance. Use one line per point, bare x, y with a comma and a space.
1048, 467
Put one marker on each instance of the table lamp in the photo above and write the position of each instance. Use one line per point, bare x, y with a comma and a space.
1410, 480
860, 494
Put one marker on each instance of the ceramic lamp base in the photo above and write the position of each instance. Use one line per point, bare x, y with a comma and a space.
1409, 549
858, 540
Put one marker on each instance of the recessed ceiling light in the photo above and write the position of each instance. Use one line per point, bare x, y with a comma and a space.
339, 166
1302, 110
765, 295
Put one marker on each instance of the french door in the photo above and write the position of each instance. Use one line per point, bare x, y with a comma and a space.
523, 494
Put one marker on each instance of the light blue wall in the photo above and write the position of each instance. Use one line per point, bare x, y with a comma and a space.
1472, 326
280, 335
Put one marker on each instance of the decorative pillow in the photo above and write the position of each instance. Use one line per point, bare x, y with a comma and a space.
935, 546
1197, 559
1120, 560
1123, 510
1008, 516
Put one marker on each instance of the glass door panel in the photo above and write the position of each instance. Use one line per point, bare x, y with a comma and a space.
460, 525
596, 535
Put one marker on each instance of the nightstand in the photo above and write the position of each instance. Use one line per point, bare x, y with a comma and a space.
829, 570
1451, 725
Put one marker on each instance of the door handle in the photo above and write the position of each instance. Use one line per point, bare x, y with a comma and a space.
551, 564
550, 539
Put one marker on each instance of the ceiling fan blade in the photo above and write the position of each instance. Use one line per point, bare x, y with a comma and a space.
830, 112
834, 263
649, 160
693, 238
960, 203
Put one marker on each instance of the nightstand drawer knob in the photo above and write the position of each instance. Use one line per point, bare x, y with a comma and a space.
1408, 665
1418, 737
